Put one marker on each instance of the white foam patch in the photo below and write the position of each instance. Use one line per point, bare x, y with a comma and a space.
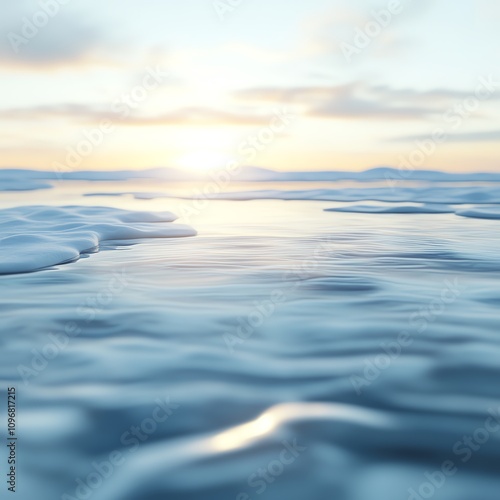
33, 238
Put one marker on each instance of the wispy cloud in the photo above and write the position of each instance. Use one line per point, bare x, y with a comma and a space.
34, 38
482, 136
357, 100
94, 114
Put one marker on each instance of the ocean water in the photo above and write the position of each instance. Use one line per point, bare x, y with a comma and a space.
278, 350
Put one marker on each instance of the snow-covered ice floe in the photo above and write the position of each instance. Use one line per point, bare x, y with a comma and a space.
427, 195
474, 212
36, 237
481, 212
394, 209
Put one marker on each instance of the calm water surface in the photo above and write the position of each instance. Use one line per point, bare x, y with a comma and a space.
283, 353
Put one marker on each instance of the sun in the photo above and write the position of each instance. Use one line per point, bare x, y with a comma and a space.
201, 161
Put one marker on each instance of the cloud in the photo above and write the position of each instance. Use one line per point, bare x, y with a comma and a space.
196, 116
77, 111
199, 116
94, 115
483, 136
358, 101
61, 37
326, 33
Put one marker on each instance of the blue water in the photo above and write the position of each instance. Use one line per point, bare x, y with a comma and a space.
285, 352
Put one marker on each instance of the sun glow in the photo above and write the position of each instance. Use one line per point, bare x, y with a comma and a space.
202, 161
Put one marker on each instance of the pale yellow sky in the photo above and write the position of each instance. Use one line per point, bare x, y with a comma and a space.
194, 85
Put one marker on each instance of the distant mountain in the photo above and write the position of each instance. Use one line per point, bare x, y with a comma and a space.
248, 174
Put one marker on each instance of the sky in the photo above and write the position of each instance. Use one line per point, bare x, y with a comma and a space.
287, 85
